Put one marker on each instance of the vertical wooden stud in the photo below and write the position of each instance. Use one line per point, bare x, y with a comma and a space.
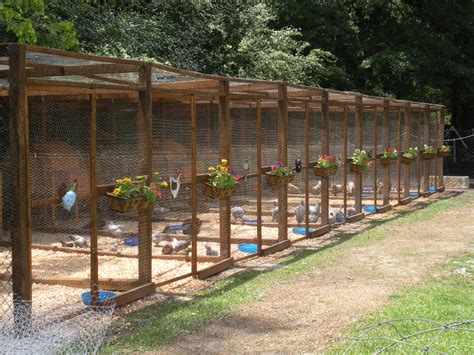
436, 161
145, 160
441, 142
386, 140
224, 153
307, 167
358, 144
94, 259
399, 148
374, 154
193, 188
418, 165
325, 151
406, 145
259, 177
426, 140
283, 156
344, 159
20, 194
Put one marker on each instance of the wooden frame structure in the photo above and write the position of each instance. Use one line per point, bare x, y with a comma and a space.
31, 71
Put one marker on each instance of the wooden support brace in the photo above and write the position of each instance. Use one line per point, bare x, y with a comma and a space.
215, 269
283, 157
325, 151
276, 247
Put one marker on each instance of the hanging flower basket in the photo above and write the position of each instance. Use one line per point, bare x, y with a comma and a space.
211, 191
443, 154
356, 168
324, 172
428, 156
123, 205
387, 161
278, 180
407, 161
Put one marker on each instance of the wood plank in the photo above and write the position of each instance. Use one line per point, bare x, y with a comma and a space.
83, 69
58, 85
275, 248
426, 194
358, 144
307, 167
355, 218
325, 150
145, 128
321, 231
406, 144
57, 201
426, 140
386, 141
441, 189
224, 153
282, 124
374, 148
194, 206
405, 200
215, 269
383, 209
344, 159
258, 140
94, 266
189, 84
133, 294
20, 193
174, 279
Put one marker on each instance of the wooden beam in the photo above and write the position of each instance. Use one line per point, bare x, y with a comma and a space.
58, 85
386, 142
441, 141
374, 152
306, 164
194, 206
85, 69
133, 294
283, 157
145, 129
426, 140
325, 151
20, 193
189, 84
358, 144
344, 159
355, 218
216, 268
399, 148
224, 153
259, 179
406, 145
94, 266
253, 87
281, 245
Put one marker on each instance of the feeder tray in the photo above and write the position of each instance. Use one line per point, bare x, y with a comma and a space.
248, 248
277, 180
249, 220
102, 296
414, 194
302, 230
131, 241
324, 172
370, 208
213, 192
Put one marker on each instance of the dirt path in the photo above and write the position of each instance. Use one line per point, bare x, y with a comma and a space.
308, 312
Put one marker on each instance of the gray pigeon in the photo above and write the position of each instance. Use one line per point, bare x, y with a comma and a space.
78, 241
237, 213
188, 226
332, 216
313, 218
316, 209
351, 211
113, 247
275, 212
157, 237
210, 251
299, 213
157, 209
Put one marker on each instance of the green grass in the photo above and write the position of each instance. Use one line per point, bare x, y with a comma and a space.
447, 298
164, 321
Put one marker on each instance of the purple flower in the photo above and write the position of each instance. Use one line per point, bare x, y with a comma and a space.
273, 167
233, 171
280, 163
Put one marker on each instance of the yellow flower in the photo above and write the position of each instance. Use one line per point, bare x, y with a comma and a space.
211, 168
164, 184
219, 166
127, 180
224, 161
139, 177
118, 181
224, 169
117, 191
157, 173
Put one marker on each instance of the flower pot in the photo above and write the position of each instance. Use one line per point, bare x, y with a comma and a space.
407, 161
387, 161
211, 191
428, 156
324, 172
443, 154
277, 180
355, 168
123, 205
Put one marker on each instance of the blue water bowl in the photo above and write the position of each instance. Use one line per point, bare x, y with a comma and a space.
340, 218
131, 241
103, 295
248, 248
175, 227
414, 194
369, 208
301, 230
365, 195
431, 189
249, 220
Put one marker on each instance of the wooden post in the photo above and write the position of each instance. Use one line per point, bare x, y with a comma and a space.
20, 193
441, 141
282, 156
307, 167
399, 148
426, 140
94, 281
259, 177
386, 140
358, 144
374, 154
437, 145
193, 189
224, 153
325, 151
418, 166
145, 160
406, 145
344, 159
